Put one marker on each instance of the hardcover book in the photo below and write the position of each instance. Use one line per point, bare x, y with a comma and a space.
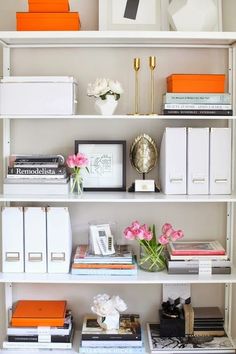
201, 248
188, 344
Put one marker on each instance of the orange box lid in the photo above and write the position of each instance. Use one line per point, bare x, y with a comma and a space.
48, 6
40, 309
203, 77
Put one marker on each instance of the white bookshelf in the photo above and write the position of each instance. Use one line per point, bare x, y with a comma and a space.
203, 41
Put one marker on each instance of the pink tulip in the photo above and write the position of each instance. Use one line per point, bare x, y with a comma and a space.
176, 235
166, 227
163, 240
135, 225
79, 160
128, 233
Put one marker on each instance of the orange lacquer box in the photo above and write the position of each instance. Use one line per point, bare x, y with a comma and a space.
196, 83
33, 313
49, 6
28, 21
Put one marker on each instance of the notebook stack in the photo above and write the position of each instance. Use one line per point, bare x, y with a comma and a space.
36, 174
122, 262
197, 94
208, 321
204, 257
40, 324
45, 15
127, 339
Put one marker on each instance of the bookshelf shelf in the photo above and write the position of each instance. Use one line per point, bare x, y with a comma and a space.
141, 278
120, 197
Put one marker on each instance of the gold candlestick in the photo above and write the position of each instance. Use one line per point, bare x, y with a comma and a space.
136, 100
152, 65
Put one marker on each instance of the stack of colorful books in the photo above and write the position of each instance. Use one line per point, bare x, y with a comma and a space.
36, 174
40, 324
122, 262
197, 94
45, 15
127, 339
197, 257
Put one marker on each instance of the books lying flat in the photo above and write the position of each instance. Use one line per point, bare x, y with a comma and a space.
36, 172
214, 270
195, 248
36, 158
36, 188
191, 344
207, 313
102, 266
39, 313
198, 112
193, 263
197, 98
40, 339
197, 106
104, 271
31, 345
111, 350
123, 254
130, 329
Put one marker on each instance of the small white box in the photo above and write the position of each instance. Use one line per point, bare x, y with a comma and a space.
144, 185
220, 161
12, 240
173, 161
59, 240
38, 95
35, 240
198, 161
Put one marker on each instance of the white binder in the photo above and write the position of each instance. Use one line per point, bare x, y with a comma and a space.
220, 161
59, 240
12, 240
35, 240
173, 161
198, 161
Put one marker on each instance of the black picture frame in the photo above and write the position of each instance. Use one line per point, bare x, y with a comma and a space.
88, 147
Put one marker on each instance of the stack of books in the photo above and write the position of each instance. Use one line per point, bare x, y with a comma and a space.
36, 174
208, 321
40, 324
127, 339
197, 257
122, 262
197, 94
47, 15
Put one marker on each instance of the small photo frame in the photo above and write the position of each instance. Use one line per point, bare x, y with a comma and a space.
107, 164
115, 15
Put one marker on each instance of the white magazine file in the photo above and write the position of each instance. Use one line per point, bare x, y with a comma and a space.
198, 161
59, 239
220, 161
12, 240
35, 240
173, 161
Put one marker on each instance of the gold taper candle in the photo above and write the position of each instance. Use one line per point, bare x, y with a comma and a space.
136, 99
152, 65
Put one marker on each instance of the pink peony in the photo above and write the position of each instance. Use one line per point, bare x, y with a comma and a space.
176, 235
163, 240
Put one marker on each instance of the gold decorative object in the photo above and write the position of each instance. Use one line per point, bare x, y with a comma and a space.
152, 65
136, 99
143, 154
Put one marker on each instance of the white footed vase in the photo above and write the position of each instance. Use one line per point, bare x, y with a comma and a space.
106, 107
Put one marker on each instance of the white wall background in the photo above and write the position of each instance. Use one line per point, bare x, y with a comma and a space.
200, 221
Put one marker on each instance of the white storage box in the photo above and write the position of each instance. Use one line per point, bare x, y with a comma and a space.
38, 95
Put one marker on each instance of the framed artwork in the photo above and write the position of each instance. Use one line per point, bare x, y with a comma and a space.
132, 15
107, 164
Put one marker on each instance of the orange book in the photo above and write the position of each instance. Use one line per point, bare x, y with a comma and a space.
33, 313
28, 21
103, 266
48, 6
196, 83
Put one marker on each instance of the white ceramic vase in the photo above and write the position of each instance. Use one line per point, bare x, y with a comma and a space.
106, 107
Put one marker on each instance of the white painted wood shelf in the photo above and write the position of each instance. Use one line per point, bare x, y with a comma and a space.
142, 278
115, 38
119, 117
119, 197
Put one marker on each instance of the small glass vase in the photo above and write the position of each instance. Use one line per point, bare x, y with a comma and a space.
152, 261
76, 184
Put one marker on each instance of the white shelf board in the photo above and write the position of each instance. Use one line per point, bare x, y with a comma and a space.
141, 278
117, 117
119, 197
131, 38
